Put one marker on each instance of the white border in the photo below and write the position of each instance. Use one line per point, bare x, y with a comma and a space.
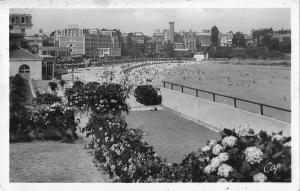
4, 104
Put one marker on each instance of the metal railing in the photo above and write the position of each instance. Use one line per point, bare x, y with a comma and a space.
235, 99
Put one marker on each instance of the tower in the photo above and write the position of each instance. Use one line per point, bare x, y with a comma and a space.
171, 31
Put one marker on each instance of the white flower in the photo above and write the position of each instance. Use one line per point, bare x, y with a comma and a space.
229, 141
224, 170
223, 157
253, 155
212, 143
216, 149
113, 167
205, 148
208, 169
244, 130
277, 137
260, 177
222, 180
215, 162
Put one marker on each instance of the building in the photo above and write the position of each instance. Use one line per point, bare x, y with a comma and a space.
182, 53
87, 41
189, 40
158, 36
203, 38
21, 61
138, 38
178, 45
226, 39
249, 41
171, 32
49, 68
34, 42
282, 38
109, 52
154, 48
57, 52
21, 22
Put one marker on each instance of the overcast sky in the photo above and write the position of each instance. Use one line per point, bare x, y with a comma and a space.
147, 20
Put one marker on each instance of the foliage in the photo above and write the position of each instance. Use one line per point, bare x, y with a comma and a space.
53, 86
100, 98
16, 91
147, 95
247, 157
46, 98
214, 36
62, 83
238, 40
245, 53
40, 122
46, 122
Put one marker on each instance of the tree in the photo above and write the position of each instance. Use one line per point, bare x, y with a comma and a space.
238, 40
259, 34
214, 36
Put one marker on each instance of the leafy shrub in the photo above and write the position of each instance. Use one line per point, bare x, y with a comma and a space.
16, 90
45, 122
62, 83
46, 98
100, 98
147, 95
53, 86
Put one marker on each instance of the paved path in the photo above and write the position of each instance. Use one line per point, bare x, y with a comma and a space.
53, 162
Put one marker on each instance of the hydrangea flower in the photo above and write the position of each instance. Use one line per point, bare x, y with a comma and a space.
212, 143
244, 130
253, 155
229, 141
216, 149
277, 137
260, 177
215, 162
209, 169
224, 170
221, 180
205, 148
223, 157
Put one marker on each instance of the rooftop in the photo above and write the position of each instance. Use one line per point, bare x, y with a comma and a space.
22, 54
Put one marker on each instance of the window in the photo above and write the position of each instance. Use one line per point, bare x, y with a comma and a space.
22, 20
13, 20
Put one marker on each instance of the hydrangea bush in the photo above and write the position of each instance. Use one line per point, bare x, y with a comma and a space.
243, 156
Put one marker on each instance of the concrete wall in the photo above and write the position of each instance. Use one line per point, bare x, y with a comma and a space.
35, 68
218, 115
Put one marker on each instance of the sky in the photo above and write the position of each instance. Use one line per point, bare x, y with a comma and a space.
147, 20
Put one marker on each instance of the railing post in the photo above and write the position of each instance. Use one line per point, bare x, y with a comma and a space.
214, 97
181, 89
196, 93
261, 109
164, 84
234, 100
172, 86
